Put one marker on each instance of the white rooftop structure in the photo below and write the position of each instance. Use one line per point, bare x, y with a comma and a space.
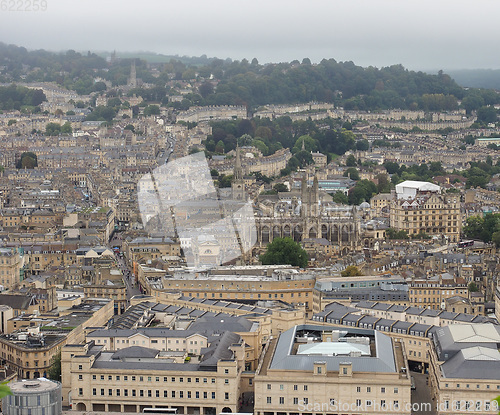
474, 333
409, 189
334, 349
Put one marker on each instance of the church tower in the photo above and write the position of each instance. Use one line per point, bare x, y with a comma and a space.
238, 184
132, 81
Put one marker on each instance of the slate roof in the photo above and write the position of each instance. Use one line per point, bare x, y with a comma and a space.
384, 361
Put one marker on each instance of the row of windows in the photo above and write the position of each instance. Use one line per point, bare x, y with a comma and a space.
305, 401
306, 387
157, 393
153, 341
157, 378
469, 405
251, 295
447, 385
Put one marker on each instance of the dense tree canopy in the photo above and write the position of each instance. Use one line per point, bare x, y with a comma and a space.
251, 84
486, 229
14, 97
284, 251
28, 160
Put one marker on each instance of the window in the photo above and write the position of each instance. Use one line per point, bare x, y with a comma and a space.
358, 389
282, 400
226, 395
173, 394
80, 377
102, 377
94, 391
295, 387
181, 394
149, 378
197, 395
125, 392
204, 380
213, 395
226, 371
80, 367
396, 404
110, 377
382, 390
358, 402
102, 392
282, 387
118, 392
226, 381
118, 378
368, 389
94, 377
305, 387
110, 392
269, 400
80, 391
141, 392
396, 390
133, 392
157, 394
295, 401
149, 394
205, 395
382, 403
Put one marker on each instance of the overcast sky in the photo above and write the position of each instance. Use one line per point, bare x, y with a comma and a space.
420, 34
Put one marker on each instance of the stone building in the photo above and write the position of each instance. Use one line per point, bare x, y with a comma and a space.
421, 207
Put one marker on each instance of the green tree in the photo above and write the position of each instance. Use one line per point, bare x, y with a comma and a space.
383, 183
473, 288
280, 187
340, 197
391, 233
309, 143
284, 251
351, 271
225, 181
351, 161
52, 129
54, 371
362, 145
487, 115
352, 173
362, 192
28, 160
4, 389
152, 110
66, 128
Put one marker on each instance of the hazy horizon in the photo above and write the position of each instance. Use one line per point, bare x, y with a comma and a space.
419, 34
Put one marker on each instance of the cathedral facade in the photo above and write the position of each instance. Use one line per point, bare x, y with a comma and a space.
305, 216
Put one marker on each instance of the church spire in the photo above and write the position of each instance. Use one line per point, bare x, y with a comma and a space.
238, 170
